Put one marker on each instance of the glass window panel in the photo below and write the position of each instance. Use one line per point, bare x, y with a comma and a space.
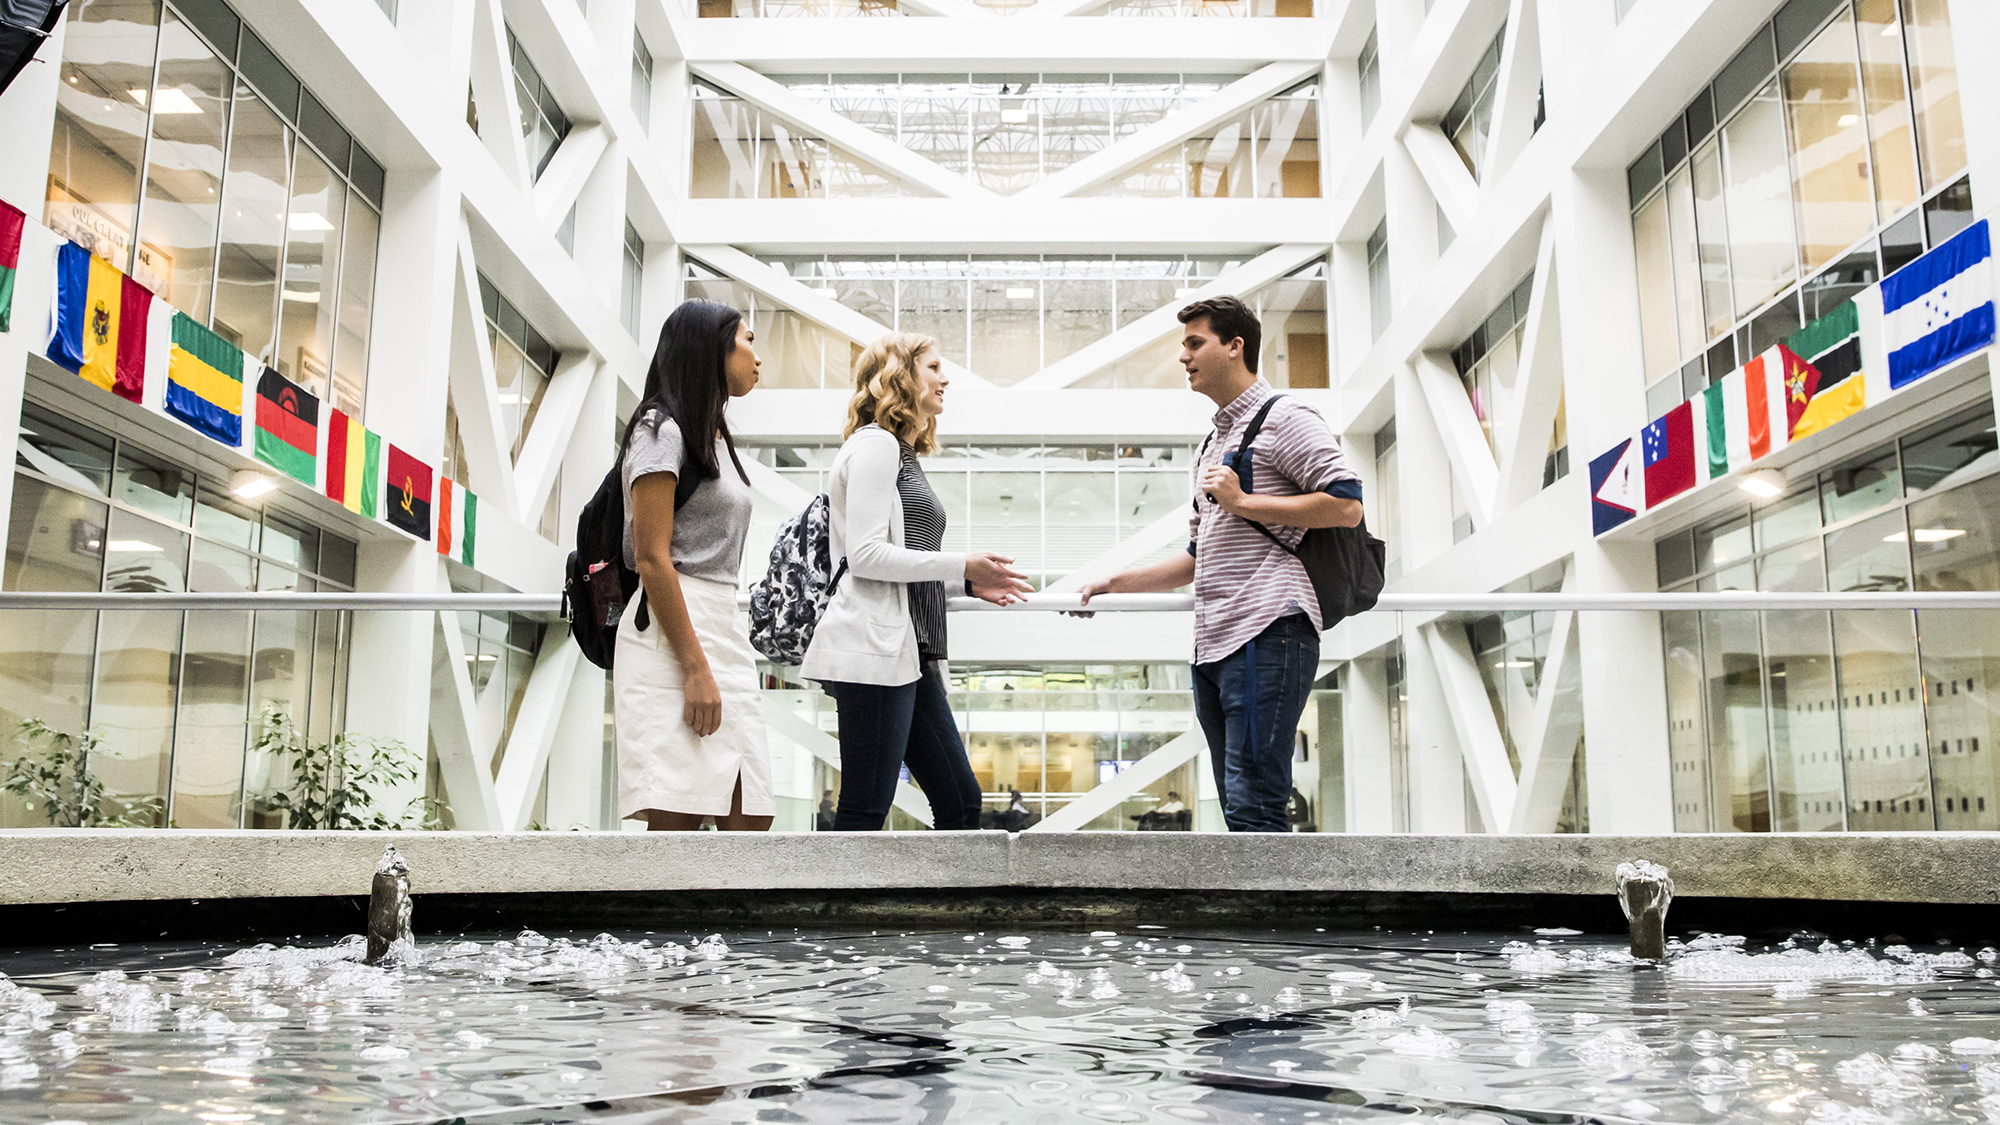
1685, 253
55, 541
1901, 242
100, 128
1757, 192
1712, 234
1882, 721
1805, 721
1861, 485
1287, 131
312, 263
1949, 211
253, 225
1722, 543
935, 307
723, 147
63, 451
1785, 519
1892, 145
1006, 516
1078, 313
1081, 518
1074, 125
1687, 747
798, 353
1731, 668
1949, 453
176, 257
1006, 141
1218, 165
357, 306
294, 542
336, 559
137, 686
1934, 81
144, 557
1870, 555
1830, 178
218, 517
215, 679
1961, 649
1006, 329
935, 117
281, 663
791, 163
1837, 283
158, 487
1657, 331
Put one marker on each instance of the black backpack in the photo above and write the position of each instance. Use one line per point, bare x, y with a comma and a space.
1344, 564
596, 581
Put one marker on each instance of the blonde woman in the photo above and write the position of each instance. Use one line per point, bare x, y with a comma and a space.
879, 648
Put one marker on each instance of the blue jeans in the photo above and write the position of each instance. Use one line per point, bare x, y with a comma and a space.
884, 728
1248, 704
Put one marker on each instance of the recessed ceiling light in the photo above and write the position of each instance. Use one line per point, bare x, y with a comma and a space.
1764, 483
1013, 117
302, 297
1847, 119
309, 220
171, 100
1020, 293
1184, 291
132, 546
1927, 535
250, 484
823, 290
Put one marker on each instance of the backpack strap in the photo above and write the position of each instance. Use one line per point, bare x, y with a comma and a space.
1250, 435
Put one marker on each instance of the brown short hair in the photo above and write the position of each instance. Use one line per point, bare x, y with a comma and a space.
1229, 318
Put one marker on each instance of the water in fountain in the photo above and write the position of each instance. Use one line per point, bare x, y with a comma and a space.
1644, 893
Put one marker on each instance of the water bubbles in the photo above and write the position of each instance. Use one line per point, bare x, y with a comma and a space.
1351, 977
1183, 949
1423, 1043
382, 1053
1289, 999
1103, 933
1975, 1046
529, 939
1917, 1008
471, 1040
712, 948
1713, 1076
1177, 980
1705, 1042
870, 971
1864, 1070
1612, 1046
16, 1076
1013, 942
1558, 931
1584, 1019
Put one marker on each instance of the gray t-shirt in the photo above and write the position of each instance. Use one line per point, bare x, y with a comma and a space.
710, 528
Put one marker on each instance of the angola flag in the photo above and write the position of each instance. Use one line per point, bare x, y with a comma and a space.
353, 465
12, 222
457, 521
409, 494
205, 382
287, 427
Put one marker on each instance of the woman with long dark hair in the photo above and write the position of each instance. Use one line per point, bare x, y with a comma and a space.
690, 726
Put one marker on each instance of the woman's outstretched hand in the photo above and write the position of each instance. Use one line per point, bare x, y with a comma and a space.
994, 579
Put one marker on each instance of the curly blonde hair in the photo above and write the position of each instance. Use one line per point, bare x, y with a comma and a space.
887, 387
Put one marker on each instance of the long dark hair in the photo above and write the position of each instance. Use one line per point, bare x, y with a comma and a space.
686, 383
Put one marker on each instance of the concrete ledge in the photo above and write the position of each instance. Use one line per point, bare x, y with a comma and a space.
56, 866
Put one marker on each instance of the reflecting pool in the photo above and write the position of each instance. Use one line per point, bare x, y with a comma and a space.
1142, 1025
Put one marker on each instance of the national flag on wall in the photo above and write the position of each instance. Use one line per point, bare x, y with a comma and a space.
457, 520
408, 494
1939, 307
1714, 414
353, 465
205, 382
12, 223
1616, 492
1667, 449
101, 323
287, 427
1759, 404
1831, 349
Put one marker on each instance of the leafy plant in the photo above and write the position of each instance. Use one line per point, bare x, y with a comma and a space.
334, 784
71, 793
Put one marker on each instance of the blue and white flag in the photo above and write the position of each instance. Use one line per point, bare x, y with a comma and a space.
1939, 307
1616, 492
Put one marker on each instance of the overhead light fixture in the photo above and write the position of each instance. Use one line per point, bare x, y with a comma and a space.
1515, 664
1013, 117
1183, 292
132, 546
1847, 119
1764, 484
1927, 535
309, 221
1021, 293
302, 297
824, 291
171, 100
248, 484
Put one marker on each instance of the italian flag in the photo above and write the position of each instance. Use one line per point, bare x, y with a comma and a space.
1743, 418
12, 223
457, 521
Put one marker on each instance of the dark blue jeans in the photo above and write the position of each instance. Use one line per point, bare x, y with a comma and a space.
1249, 704
884, 728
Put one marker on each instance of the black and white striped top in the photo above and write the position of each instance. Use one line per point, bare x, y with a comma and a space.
923, 530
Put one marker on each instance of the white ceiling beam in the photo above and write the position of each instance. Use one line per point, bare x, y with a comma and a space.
1479, 741
1177, 752
549, 438
1539, 384
526, 758
815, 119
1261, 270
1518, 89
1549, 750
464, 746
1087, 224
865, 46
799, 298
573, 162
493, 94
1268, 81
475, 391
1472, 463
1444, 173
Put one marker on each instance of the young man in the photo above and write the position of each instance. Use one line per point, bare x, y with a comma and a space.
1256, 619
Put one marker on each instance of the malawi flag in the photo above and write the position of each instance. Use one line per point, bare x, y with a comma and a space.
457, 521
12, 222
287, 427
205, 382
101, 319
409, 489
1667, 448
353, 465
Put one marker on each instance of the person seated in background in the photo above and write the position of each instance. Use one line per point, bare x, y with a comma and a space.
826, 811
1017, 815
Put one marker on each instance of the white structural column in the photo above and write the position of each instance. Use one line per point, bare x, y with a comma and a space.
569, 167
475, 390
549, 438
1473, 722
1456, 192
1518, 89
460, 733
1530, 415
524, 761
1436, 763
1464, 442
1549, 751
493, 94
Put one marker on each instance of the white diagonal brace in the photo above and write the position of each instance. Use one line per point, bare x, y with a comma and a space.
475, 391
796, 296
1550, 747
493, 93
535, 721
1444, 172
1472, 720
826, 748
1178, 751
463, 744
960, 8
1464, 442
1169, 528
1085, 361
1531, 414
1265, 82
563, 179
1519, 88
549, 437
815, 119
1055, 9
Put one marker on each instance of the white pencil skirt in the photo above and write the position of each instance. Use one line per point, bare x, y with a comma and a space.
662, 764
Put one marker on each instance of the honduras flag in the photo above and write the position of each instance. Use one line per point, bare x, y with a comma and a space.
1939, 307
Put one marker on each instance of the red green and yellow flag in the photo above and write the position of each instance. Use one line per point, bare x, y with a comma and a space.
12, 222
353, 465
287, 427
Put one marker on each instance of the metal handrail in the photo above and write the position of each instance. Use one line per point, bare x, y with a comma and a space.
1039, 603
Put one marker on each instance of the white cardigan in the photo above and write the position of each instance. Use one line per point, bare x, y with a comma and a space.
866, 635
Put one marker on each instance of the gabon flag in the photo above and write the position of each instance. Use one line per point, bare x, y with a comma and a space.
353, 465
101, 323
287, 427
205, 382
12, 223
408, 494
